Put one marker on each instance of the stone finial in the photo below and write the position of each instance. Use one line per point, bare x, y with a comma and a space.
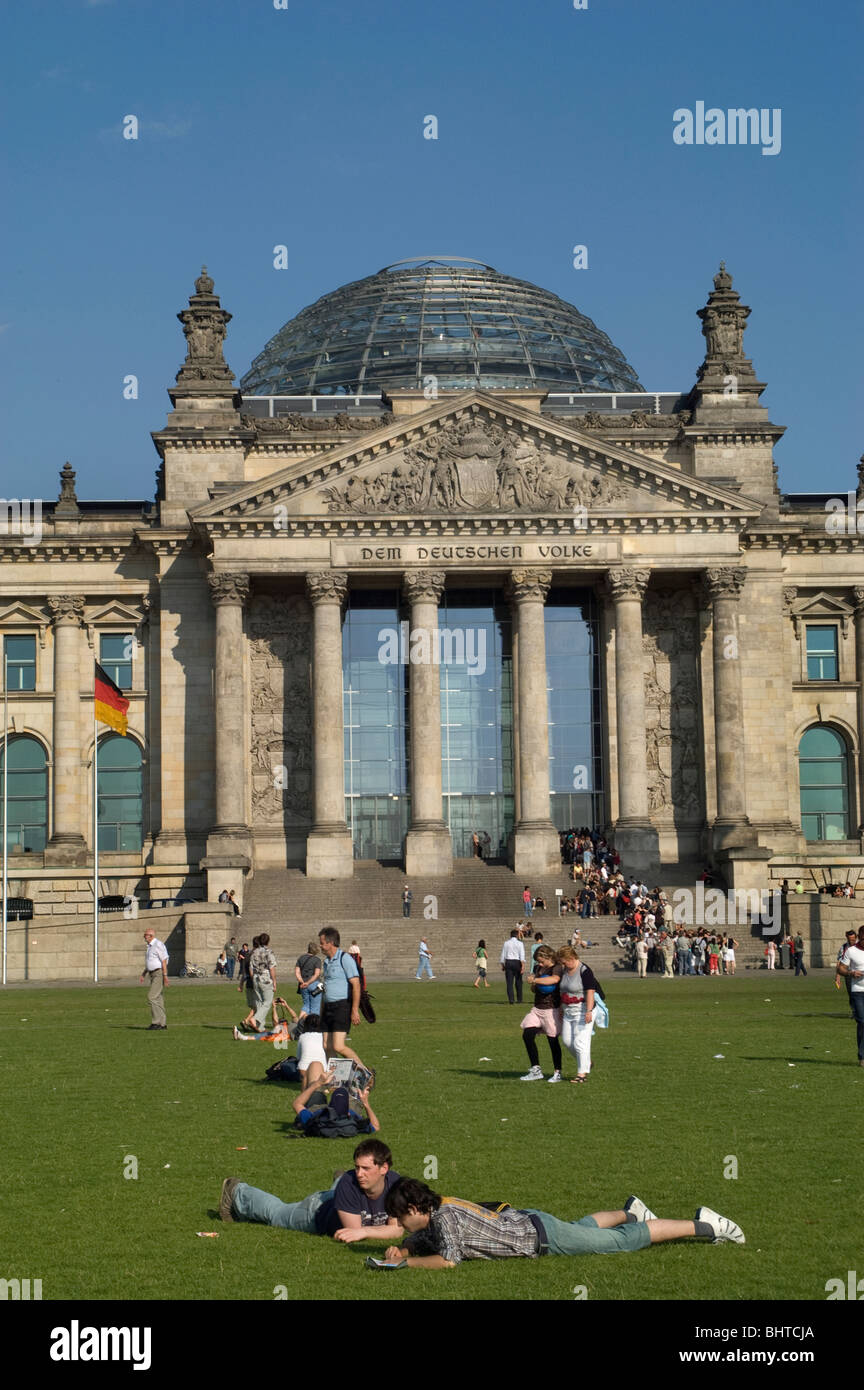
204, 283
724, 319
67, 502
204, 324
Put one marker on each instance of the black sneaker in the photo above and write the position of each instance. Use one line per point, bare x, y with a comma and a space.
226, 1198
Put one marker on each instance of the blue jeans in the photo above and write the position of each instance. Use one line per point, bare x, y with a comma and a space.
309, 1003
251, 1204
683, 962
585, 1237
424, 963
229, 967
856, 999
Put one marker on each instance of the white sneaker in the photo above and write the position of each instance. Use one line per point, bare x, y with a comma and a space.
556, 1076
535, 1074
636, 1207
723, 1228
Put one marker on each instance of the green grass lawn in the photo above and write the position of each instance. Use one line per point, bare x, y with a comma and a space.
84, 1085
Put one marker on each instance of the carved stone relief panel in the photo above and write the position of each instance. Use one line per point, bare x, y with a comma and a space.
474, 465
280, 635
670, 645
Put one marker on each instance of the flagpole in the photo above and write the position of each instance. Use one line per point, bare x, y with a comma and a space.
95, 850
5, 799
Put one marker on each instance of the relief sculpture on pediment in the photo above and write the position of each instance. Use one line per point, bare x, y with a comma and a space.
670, 646
280, 631
474, 465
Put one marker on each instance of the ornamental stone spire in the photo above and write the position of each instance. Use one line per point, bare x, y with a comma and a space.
724, 319
204, 324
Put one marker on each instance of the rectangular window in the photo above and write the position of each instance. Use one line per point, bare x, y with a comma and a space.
20, 654
822, 654
115, 657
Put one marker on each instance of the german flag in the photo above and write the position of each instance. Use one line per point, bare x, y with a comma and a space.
111, 703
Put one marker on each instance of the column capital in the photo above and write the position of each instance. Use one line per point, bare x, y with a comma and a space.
625, 582
66, 609
858, 598
528, 584
725, 581
327, 586
423, 585
228, 588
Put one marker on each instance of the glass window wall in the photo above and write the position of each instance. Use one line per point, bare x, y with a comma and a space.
575, 709
376, 724
477, 718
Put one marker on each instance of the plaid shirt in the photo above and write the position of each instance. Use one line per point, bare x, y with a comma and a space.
463, 1231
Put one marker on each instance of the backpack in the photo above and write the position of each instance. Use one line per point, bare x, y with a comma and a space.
326, 1124
286, 1070
365, 1003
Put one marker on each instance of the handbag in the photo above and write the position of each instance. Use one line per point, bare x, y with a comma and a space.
601, 1012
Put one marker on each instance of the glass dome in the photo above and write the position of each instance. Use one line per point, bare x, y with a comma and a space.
458, 321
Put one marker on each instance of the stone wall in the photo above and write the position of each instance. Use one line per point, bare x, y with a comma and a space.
62, 948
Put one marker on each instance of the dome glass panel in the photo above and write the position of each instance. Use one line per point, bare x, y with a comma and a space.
459, 321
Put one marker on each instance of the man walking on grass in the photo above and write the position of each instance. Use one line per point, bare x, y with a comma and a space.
156, 970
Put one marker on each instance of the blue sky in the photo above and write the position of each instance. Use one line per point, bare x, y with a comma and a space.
303, 126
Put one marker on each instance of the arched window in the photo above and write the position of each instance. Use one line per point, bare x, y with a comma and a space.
119, 773
823, 770
27, 790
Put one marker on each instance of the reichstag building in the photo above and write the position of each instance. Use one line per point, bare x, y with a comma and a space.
440, 564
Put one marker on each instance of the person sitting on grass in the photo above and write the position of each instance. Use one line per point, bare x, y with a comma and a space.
352, 1208
282, 1032
321, 1118
444, 1231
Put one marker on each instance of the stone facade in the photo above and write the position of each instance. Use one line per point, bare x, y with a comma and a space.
235, 582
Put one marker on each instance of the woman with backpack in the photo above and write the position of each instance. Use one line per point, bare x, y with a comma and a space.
578, 988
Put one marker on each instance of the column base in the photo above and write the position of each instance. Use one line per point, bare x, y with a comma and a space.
226, 871
429, 852
535, 849
67, 850
171, 847
639, 848
732, 835
330, 854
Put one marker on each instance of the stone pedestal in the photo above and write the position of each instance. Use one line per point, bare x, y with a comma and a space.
534, 845
67, 844
636, 839
428, 848
329, 847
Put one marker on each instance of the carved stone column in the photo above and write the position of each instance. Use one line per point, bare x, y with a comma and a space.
859, 676
428, 847
535, 839
329, 849
636, 839
229, 844
731, 827
67, 844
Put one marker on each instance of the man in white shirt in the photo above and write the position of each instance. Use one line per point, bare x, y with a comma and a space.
513, 964
156, 970
853, 966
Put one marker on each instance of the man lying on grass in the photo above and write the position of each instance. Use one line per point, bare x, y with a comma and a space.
443, 1231
352, 1208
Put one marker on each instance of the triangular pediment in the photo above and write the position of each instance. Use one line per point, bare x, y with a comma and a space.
18, 614
821, 605
475, 456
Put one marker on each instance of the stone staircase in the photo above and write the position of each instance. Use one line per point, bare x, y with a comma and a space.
477, 901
